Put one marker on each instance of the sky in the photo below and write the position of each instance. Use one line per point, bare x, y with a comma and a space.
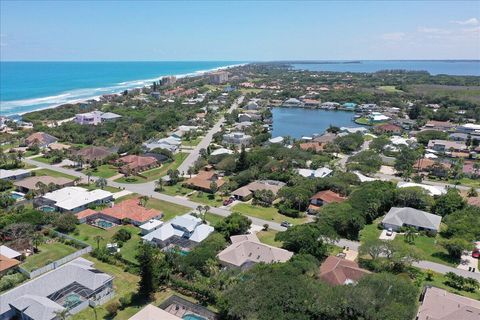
238, 31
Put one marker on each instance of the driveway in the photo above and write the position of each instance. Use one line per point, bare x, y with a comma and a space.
383, 235
468, 262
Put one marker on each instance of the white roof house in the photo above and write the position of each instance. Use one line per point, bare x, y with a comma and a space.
13, 174
221, 151
276, 140
8, 252
399, 217
76, 198
151, 225
432, 190
185, 227
318, 173
354, 129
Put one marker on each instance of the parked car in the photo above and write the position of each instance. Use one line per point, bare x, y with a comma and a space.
228, 201
286, 224
476, 253
389, 232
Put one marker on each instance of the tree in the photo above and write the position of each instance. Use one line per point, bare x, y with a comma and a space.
41, 187
242, 163
122, 235
101, 183
456, 246
143, 200
464, 224
89, 174
373, 247
410, 234
405, 160
342, 218
213, 187
305, 238
367, 161
159, 185
190, 171
37, 239
62, 314
234, 224
66, 222
449, 202
414, 197
97, 239
153, 269
472, 192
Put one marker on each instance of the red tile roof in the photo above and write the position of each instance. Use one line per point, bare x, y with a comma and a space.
135, 162
328, 196
85, 213
338, 271
7, 263
203, 180
131, 209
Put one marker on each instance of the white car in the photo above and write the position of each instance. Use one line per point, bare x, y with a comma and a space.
389, 232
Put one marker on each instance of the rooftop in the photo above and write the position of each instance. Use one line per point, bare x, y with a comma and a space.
338, 271
413, 217
69, 198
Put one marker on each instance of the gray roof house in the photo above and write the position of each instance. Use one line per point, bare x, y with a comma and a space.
421, 220
73, 286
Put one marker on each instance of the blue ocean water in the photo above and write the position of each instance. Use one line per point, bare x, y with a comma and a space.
298, 122
27, 86
434, 67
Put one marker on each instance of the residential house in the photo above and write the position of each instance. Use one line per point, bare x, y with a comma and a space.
249, 117
387, 128
95, 117
150, 225
377, 117
15, 174
247, 250
325, 138
350, 130
151, 312
349, 105
276, 140
133, 164
185, 231
446, 146
470, 169
40, 139
128, 210
397, 218
9, 259
317, 173
93, 153
311, 103
330, 105
168, 80
237, 139
251, 105
171, 144
313, 146
75, 199
469, 128
58, 146
73, 286
221, 151
246, 192
203, 181
439, 304
439, 125
432, 190
323, 197
338, 271
292, 103
429, 165
32, 183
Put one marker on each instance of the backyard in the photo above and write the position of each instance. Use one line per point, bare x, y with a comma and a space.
266, 213
268, 237
48, 253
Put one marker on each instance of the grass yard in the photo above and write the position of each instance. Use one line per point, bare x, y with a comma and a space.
28, 166
48, 253
268, 237
468, 182
469, 93
370, 231
104, 171
429, 249
192, 142
42, 159
213, 219
363, 121
389, 89
93, 186
170, 210
48, 172
87, 233
438, 280
176, 189
269, 214
207, 198
157, 173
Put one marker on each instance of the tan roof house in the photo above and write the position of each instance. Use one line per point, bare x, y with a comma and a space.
246, 192
150, 312
92, 153
203, 181
40, 139
338, 271
438, 304
135, 164
247, 250
30, 183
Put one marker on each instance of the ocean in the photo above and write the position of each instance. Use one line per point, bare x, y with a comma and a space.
29, 86
434, 67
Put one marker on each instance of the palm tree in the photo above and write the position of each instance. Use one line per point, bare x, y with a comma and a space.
89, 175
101, 183
199, 209
159, 184
41, 187
143, 201
410, 234
77, 180
206, 208
36, 240
190, 171
62, 314
98, 238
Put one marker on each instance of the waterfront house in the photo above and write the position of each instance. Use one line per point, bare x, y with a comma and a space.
40, 139
203, 181
350, 130
292, 103
349, 105
75, 199
397, 218
16, 174
311, 103
330, 105
129, 210
246, 192
32, 183
93, 153
133, 164
446, 146
73, 286
95, 117
387, 128
237, 139
338, 271
313, 146
185, 231
249, 117
377, 117
276, 140
251, 105
247, 250
325, 138
323, 197
436, 303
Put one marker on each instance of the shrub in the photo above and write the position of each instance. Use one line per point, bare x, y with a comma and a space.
289, 212
112, 308
122, 235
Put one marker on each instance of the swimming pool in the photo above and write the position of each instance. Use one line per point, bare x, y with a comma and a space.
104, 224
191, 316
17, 196
72, 300
47, 209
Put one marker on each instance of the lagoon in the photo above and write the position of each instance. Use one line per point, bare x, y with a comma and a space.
298, 122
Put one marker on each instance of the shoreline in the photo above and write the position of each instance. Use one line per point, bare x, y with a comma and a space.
125, 83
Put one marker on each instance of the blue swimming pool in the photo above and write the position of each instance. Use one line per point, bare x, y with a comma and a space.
193, 317
47, 209
16, 195
104, 224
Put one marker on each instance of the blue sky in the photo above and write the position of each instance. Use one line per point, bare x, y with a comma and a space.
242, 31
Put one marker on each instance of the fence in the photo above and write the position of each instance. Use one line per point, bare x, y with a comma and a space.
51, 266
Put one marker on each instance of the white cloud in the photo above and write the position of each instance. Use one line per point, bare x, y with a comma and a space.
393, 36
468, 22
434, 31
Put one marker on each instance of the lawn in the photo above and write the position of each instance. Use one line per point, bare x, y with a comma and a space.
269, 214
213, 219
192, 142
42, 159
93, 186
28, 166
157, 173
104, 171
87, 233
429, 249
48, 172
176, 189
268, 237
47, 254
389, 89
438, 281
468, 182
170, 210
207, 198
363, 121
370, 231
